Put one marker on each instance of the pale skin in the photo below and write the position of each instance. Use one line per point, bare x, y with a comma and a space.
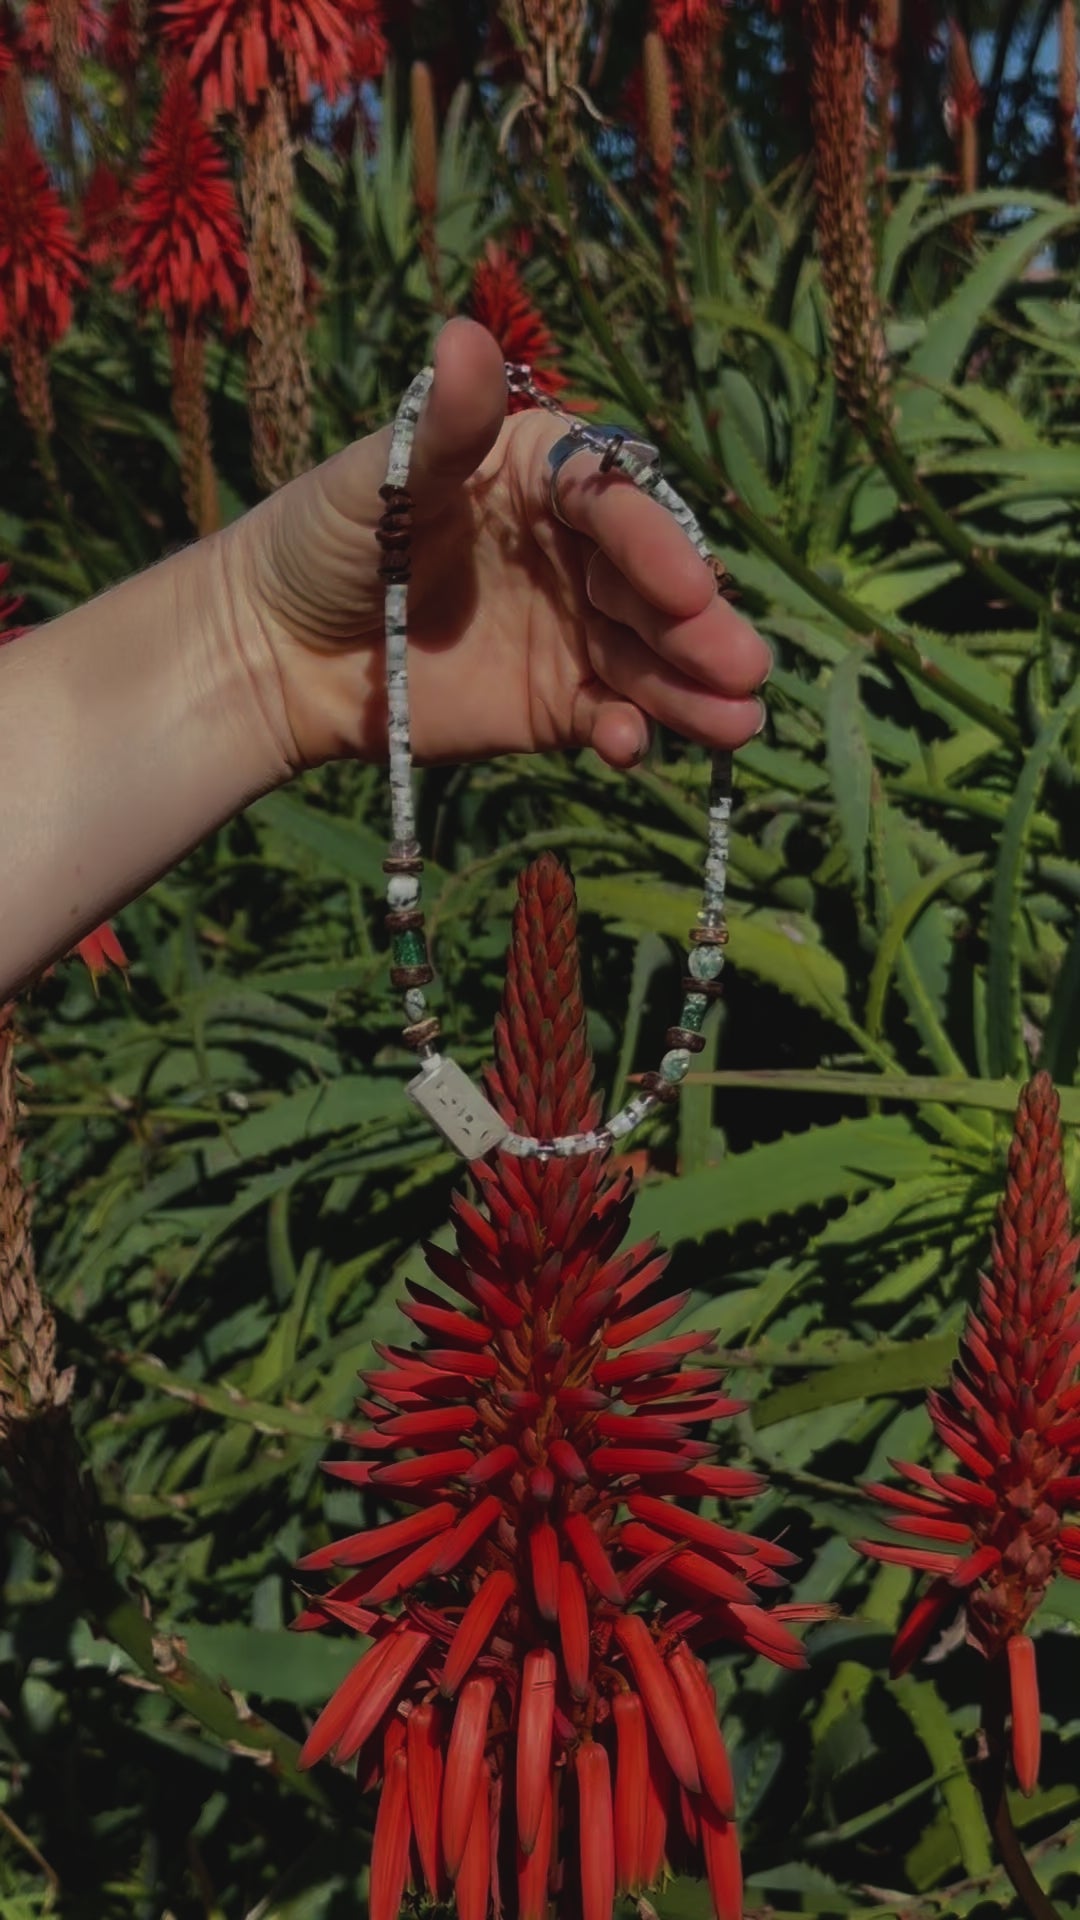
133, 726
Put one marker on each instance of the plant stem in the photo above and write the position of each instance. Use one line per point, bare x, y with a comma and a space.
163, 1659
990, 1780
953, 538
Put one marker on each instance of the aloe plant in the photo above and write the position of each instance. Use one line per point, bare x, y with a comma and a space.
229, 1185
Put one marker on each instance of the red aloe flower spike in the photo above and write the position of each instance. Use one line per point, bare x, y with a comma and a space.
660, 1699
424, 1470
544, 1556
183, 254
533, 1869
339, 1710
100, 950
594, 1560
568, 1461
390, 1848
597, 1829
536, 1720
467, 1534
407, 1644
1001, 1416
574, 1630
660, 1792
500, 302
39, 268
464, 1765
631, 1789
237, 49
720, 1845
473, 1878
324, 1608
689, 1571
402, 1575
517, 1572
425, 1774
477, 1626
1026, 1732
39, 271
699, 1706
184, 248
619, 1333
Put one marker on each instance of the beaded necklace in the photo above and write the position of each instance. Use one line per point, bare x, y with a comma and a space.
441, 1089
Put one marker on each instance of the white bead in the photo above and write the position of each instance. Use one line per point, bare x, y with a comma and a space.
403, 890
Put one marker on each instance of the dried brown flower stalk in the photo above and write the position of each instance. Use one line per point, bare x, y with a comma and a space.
64, 21
198, 479
659, 119
279, 371
965, 102
838, 79
55, 1500
549, 35
33, 393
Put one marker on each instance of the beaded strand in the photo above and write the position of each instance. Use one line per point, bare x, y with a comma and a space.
441, 1089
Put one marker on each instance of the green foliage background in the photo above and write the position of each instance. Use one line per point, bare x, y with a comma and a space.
230, 1185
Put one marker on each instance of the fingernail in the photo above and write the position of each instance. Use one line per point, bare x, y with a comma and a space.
641, 751
763, 716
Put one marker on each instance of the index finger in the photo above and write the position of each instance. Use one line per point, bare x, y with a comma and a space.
637, 533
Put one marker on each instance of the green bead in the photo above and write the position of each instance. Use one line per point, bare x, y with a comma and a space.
410, 949
675, 1065
694, 1009
706, 963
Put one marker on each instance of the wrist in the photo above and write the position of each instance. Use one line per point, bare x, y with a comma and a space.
306, 603
239, 669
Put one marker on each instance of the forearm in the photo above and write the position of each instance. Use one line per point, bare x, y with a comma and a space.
129, 729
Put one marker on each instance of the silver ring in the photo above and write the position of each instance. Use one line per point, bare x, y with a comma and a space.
617, 447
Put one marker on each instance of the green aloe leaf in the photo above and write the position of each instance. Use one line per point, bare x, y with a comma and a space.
850, 761
782, 1176
951, 329
1003, 1039
882, 1371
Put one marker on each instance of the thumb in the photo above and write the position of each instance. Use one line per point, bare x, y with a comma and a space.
463, 412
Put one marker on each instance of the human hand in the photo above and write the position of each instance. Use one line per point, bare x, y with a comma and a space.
523, 634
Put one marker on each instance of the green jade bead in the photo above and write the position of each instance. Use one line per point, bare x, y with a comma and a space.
675, 1065
694, 1009
410, 949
